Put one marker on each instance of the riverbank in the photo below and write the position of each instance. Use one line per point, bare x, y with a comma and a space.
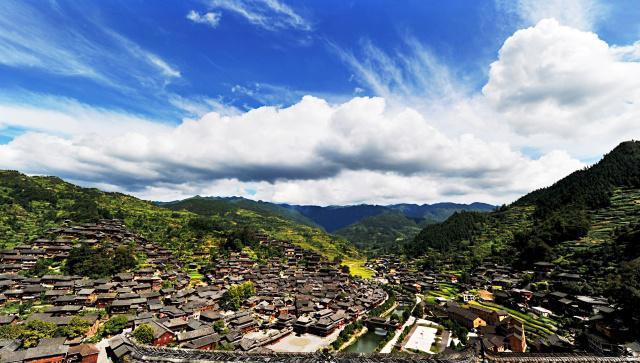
389, 346
390, 310
354, 338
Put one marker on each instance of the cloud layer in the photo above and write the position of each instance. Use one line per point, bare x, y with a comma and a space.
555, 95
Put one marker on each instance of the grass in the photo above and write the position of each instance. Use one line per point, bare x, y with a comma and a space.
446, 291
357, 268
195, 275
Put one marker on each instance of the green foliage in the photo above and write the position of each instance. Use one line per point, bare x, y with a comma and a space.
143, 334
114, 325
35, 330
220, 327
458, 330
418, 312
10, 331
77, 327
88, 261
381, 233
386, 305
41, 268
346, 333
234, 296
448, 235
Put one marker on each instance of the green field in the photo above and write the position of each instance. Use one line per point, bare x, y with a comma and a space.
356, 268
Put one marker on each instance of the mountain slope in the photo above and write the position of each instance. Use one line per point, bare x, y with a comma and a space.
221, 205
333, 218
30, 205
587, 222
382, 233
438, 212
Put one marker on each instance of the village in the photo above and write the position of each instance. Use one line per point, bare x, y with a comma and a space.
507, 310
296, 301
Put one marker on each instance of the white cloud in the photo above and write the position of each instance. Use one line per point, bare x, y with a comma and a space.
579, 14
211, 19
272, 15
348, 151
165, 68
557, 85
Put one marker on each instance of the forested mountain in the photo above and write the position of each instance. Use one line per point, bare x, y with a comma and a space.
221, 205
372, 228
587, 222
382, 233
30, 205
333, 218
438, 212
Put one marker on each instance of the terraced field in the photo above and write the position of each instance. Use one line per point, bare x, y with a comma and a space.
624, 210
578, 255
533, 326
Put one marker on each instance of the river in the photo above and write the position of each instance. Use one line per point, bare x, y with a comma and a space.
367, 342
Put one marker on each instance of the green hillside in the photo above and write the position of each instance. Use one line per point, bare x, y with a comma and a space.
216, 205
30, 205
587, 222
382, 233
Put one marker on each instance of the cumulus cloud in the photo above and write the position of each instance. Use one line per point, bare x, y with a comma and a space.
358, 145
211, 19
554, 80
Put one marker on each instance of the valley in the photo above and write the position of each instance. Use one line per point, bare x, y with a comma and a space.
554, 272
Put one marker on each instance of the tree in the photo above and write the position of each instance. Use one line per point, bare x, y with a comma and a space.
405, 315
418, 312
87, 261
41, 268
234, 296
35, 330
10, 331
143, 334
124, 258
77, 327
115, 324
219, 326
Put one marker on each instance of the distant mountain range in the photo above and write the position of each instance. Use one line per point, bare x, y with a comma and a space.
332, 218
372, 228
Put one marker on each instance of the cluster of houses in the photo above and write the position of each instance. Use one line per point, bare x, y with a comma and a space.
299, 293
543, 292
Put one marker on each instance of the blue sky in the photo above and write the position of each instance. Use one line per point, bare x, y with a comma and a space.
134, 73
